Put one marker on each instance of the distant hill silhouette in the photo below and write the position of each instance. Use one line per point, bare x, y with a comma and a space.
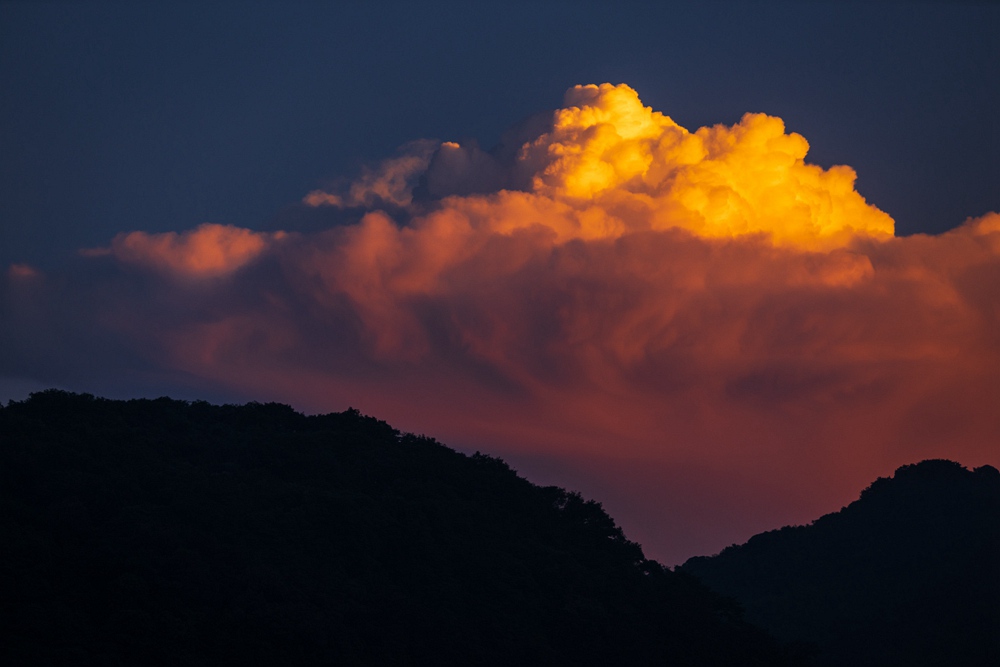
162, 532
909, 574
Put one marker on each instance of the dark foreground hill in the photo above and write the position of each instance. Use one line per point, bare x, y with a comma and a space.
161, 532
909, 574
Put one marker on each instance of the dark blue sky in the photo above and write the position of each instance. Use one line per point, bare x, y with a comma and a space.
160, 116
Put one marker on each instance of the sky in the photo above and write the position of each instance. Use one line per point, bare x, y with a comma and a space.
716, 265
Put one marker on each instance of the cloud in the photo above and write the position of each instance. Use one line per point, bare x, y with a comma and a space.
620, 167
22, 272
209, 251
701, 317
390, 184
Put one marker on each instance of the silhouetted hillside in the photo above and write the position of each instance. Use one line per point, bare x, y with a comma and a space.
173, 533
909, 574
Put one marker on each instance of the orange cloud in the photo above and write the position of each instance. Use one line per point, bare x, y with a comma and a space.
208, 251
686, 324
607, 151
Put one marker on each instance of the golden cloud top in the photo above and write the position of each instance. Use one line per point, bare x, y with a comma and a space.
608, 152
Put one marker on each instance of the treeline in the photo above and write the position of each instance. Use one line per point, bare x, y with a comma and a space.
163, 532
909, 574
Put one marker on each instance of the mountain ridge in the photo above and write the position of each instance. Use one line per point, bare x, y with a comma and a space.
907, 574
156, 531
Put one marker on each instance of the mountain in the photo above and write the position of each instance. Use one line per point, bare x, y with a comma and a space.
909, 574
163, 532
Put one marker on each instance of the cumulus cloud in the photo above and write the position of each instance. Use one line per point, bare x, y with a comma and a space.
633, 308
206, 252
390, 184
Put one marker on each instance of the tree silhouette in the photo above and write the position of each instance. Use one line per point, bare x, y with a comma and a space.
909, 574
167, 532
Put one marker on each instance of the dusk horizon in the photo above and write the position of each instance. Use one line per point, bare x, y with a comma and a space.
718, 282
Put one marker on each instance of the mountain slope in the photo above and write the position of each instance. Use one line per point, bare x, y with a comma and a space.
166, 532
909, 574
